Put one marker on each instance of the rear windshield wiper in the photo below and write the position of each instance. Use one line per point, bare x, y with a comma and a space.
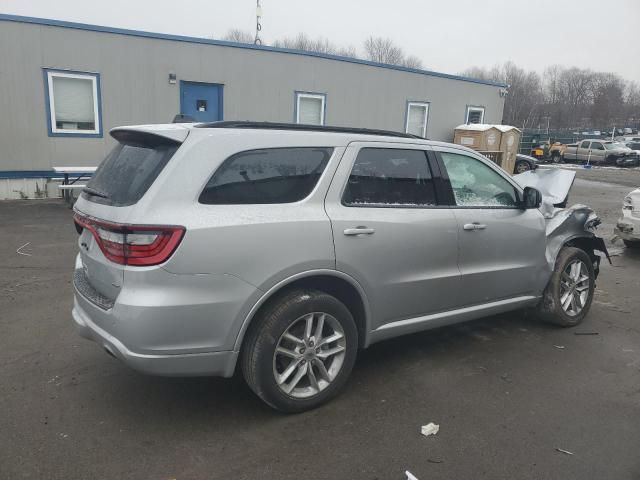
94, 192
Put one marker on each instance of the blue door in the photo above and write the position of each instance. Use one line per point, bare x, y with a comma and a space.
201, 101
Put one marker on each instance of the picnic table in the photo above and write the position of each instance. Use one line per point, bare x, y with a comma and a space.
71, 175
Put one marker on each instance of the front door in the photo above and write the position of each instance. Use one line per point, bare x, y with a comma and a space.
390, 234
597, 152
201, 101
502, 247
582, 152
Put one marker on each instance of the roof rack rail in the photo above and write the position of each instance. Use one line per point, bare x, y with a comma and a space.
304, 128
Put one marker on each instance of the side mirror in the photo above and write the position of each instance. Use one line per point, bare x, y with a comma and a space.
531, 198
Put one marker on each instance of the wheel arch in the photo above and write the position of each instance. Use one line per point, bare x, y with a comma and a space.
589, 244
342, 286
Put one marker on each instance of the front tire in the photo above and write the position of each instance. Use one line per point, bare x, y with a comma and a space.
568, 296
300, 351
556, 157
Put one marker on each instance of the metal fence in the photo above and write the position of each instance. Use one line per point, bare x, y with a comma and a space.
533, 138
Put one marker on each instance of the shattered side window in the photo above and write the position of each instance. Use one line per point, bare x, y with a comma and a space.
476, 185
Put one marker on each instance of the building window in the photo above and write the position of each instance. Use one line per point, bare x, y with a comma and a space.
474, 115
417, 114
73, 103
309, 108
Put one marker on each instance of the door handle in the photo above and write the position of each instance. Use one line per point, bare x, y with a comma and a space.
474, 226
358, 231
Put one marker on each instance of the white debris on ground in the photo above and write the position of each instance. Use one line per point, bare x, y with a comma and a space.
410, 476
429, 429
566, 452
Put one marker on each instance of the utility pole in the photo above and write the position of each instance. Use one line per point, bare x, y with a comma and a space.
258, 40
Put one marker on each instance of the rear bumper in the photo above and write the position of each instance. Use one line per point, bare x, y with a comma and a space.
167, 324
192, 364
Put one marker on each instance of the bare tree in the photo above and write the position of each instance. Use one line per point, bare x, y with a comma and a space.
239, 36
565, 97
412, 62
320, 45
383, 50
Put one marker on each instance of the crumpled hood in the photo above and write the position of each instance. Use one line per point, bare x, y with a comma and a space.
553, 183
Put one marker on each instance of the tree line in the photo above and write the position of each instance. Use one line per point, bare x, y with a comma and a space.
565, 97
375, 49
560, 97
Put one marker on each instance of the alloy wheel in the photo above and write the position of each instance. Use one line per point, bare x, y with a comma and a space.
309, 355
574, 287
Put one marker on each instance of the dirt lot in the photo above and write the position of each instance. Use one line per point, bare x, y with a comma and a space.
506, 391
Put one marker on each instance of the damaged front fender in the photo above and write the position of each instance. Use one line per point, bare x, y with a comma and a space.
574, 226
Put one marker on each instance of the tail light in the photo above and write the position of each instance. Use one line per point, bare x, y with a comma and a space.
139, 245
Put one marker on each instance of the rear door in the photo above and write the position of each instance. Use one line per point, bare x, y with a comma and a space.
120, 181
501, 246
389, 232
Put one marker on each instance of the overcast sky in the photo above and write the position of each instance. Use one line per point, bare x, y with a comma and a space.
448, 35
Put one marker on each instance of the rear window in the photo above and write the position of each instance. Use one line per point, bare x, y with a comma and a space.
127, 173
272, 175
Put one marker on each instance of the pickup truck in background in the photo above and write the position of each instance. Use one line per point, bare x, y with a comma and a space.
601, 152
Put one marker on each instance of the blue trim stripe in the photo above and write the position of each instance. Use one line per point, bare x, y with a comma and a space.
224, 43
19, 174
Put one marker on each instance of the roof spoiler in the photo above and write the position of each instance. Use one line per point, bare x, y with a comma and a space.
151, 135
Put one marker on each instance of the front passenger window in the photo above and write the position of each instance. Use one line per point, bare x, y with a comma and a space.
477, 185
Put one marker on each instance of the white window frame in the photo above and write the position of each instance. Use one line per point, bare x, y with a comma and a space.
316, 96
424, 105
52, 112
474, 108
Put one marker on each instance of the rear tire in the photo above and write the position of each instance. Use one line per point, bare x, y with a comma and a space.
299, 352
569, 293
632, 243
556, 157
521, 167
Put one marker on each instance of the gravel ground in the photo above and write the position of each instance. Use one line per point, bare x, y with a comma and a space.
506, 391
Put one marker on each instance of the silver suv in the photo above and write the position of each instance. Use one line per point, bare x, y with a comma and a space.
287, 248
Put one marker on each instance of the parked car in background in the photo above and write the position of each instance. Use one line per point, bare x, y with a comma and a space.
524, 163
600, 152
628, 226
287, 248
634, 145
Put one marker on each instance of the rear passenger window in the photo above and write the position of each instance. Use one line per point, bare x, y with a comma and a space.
386, 176
273, 175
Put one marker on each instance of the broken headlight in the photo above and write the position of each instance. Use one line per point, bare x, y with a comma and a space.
626, 203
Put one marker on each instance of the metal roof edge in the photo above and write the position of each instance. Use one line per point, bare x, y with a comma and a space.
225, 43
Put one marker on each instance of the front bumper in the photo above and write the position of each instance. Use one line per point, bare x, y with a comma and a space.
628, 161
628, 229
192, 364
